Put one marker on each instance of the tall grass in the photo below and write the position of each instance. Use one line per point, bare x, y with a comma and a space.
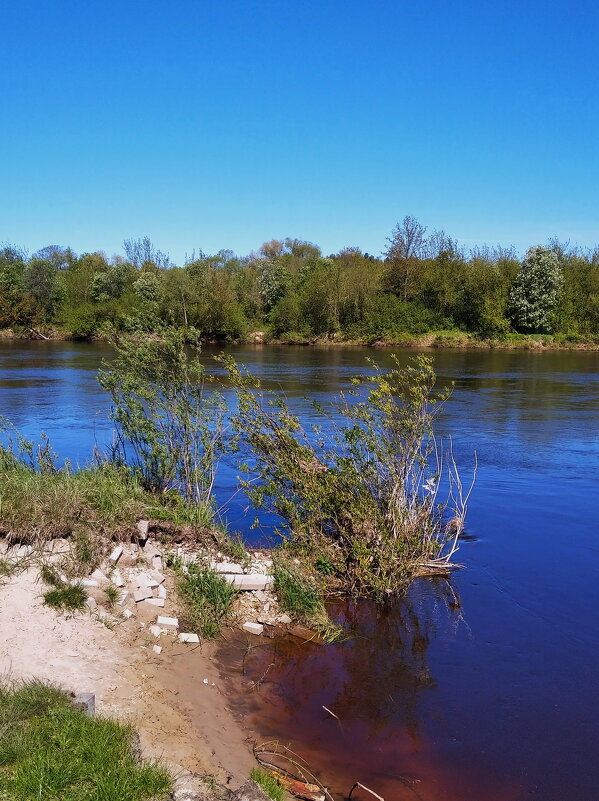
49, 750
207, 598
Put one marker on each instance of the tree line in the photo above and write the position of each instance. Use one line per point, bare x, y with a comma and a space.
422, 282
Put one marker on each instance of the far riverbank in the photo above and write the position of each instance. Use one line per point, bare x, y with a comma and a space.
459, 340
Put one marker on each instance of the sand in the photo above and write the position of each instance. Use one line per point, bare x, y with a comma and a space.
129, 681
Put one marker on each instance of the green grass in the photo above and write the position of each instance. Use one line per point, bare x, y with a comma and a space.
69, 597
302, 599
49, 750
268, 783
112, 594
38, 506
206, 596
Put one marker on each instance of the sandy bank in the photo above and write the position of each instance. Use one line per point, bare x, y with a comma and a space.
82, 654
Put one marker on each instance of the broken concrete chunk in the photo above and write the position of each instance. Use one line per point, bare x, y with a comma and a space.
191, 638
284, 618
253, 628
117, 578
158, 577
168, 623
162, 592
91, 604
116, 554
86, 702
88, 583
127, 613
155, 630
142, 594
157, 562
157, 649
123, 597
143, 527
251, 581
98, 577
155, 601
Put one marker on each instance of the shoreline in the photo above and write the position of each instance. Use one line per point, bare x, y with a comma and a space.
433, 340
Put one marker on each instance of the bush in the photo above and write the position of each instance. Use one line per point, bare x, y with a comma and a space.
364, 493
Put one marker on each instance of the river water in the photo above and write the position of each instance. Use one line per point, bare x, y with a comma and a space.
483, 689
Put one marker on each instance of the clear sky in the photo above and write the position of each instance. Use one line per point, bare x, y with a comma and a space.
224, 123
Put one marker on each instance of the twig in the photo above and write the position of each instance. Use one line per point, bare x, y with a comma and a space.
368, 790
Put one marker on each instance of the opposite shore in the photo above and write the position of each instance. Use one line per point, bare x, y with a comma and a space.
458, 340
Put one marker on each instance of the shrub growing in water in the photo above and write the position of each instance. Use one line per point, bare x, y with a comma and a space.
364, 496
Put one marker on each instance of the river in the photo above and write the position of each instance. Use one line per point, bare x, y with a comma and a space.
485, 689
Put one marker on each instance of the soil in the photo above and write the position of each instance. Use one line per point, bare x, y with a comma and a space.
116, 663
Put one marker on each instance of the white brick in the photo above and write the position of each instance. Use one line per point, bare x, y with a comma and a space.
157, 649
155, 630
117, 578
168, 623
253, 628
155, 601
227, 567
98, 576
116, 554
251, 581
142, 594
191, 638
127, 613
162, 592
88, 583
157, 562
142, 528
91, 604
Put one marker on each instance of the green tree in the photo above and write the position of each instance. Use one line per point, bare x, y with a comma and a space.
535, 292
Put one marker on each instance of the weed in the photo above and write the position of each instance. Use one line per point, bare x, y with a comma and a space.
112, 594
69, 597
268, 783
302, 598
50, 750
324, 566
207, 598
49, 575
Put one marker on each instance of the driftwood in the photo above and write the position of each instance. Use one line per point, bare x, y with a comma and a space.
293, 774
38, 333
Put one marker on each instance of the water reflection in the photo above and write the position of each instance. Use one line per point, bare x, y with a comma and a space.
373, 682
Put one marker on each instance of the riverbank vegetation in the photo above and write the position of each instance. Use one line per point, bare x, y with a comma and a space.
423, 288
358, 494
51, 750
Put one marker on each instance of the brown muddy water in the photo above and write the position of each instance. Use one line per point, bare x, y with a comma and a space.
484, 689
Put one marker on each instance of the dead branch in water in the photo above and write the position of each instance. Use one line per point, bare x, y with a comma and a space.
267, 752
368, 790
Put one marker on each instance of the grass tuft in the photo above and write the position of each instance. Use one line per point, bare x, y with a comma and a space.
112, 594
50, 750
207, 597
268, 783
303, 600
69, 597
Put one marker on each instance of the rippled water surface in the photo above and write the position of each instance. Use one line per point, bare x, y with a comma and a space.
487, 689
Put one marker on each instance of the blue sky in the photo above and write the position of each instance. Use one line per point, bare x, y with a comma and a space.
209, 124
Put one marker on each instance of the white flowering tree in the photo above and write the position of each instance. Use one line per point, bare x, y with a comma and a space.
536, 290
